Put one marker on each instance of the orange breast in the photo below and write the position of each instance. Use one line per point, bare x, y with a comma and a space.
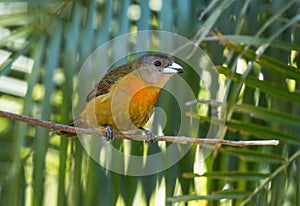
142, 105
128, 105
146, 96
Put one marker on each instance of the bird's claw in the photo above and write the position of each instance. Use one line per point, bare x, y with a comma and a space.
109, 133
150, 137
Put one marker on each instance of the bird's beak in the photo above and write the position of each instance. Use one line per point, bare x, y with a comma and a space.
173, 68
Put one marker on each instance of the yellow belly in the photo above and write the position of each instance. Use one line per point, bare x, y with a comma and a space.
120, 110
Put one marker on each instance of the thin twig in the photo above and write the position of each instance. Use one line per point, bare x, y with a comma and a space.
178, 139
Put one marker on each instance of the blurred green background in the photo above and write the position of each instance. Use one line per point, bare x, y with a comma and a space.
43, 46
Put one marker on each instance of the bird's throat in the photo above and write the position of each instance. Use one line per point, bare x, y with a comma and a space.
139, 91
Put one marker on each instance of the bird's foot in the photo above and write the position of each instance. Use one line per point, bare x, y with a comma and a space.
109, 133
150, 136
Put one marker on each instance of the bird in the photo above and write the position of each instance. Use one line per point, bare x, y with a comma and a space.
125, 98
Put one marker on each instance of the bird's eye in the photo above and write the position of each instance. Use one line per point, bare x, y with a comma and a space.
157, 63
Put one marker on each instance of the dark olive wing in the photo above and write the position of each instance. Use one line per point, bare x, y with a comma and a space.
107, 81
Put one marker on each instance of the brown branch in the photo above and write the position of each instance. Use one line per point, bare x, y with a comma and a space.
178, 139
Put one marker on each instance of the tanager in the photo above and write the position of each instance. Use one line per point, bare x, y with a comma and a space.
125, 98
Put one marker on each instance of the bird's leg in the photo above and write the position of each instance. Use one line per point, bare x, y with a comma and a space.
109, 133
150, 135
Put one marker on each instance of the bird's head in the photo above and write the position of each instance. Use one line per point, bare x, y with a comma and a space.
155, 69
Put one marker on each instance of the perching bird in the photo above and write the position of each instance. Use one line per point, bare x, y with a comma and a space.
125, 98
